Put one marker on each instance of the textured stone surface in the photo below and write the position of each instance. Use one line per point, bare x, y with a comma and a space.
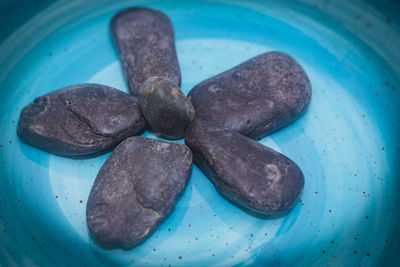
256, 97
80, 120
165, 107
144, 40
136, 187
243, 170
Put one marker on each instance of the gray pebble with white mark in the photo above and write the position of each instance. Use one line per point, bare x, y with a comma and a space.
244, 171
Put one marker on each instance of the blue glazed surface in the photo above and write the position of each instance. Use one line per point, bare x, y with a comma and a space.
347, 143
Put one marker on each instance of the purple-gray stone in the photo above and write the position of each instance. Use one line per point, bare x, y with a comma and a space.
165, 108
135, 189
144, 40
243, 170
80, 120
256, 97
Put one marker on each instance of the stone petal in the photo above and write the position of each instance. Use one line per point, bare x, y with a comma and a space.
144, 40
243, 170
256, 97
80, 120
136, 188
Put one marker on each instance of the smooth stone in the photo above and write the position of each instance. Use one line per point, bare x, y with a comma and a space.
165, 108
144, 40
80, 120
256, 97
135, 189
244, 171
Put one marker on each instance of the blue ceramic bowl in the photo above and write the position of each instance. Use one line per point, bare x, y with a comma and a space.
347, 143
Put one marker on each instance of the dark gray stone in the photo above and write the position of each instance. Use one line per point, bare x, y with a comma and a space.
135, 189
80, 120
144, 40
165, 107
243, 170
256, 97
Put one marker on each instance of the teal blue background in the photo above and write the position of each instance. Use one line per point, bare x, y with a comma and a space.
347, 144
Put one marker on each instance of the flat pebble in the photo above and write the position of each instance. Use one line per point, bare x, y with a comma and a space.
256, 97
135, 189
165, 107
144, 40
80, 120
244, 171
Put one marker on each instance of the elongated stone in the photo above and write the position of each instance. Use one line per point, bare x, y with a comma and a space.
256, 97
80, 120
165, 107
135, 189
144, 40
243, 170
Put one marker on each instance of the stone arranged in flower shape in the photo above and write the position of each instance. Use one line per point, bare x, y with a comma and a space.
144, 40
256, 97
165, 107
135, 188
80, 120
243, 170
138, 184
